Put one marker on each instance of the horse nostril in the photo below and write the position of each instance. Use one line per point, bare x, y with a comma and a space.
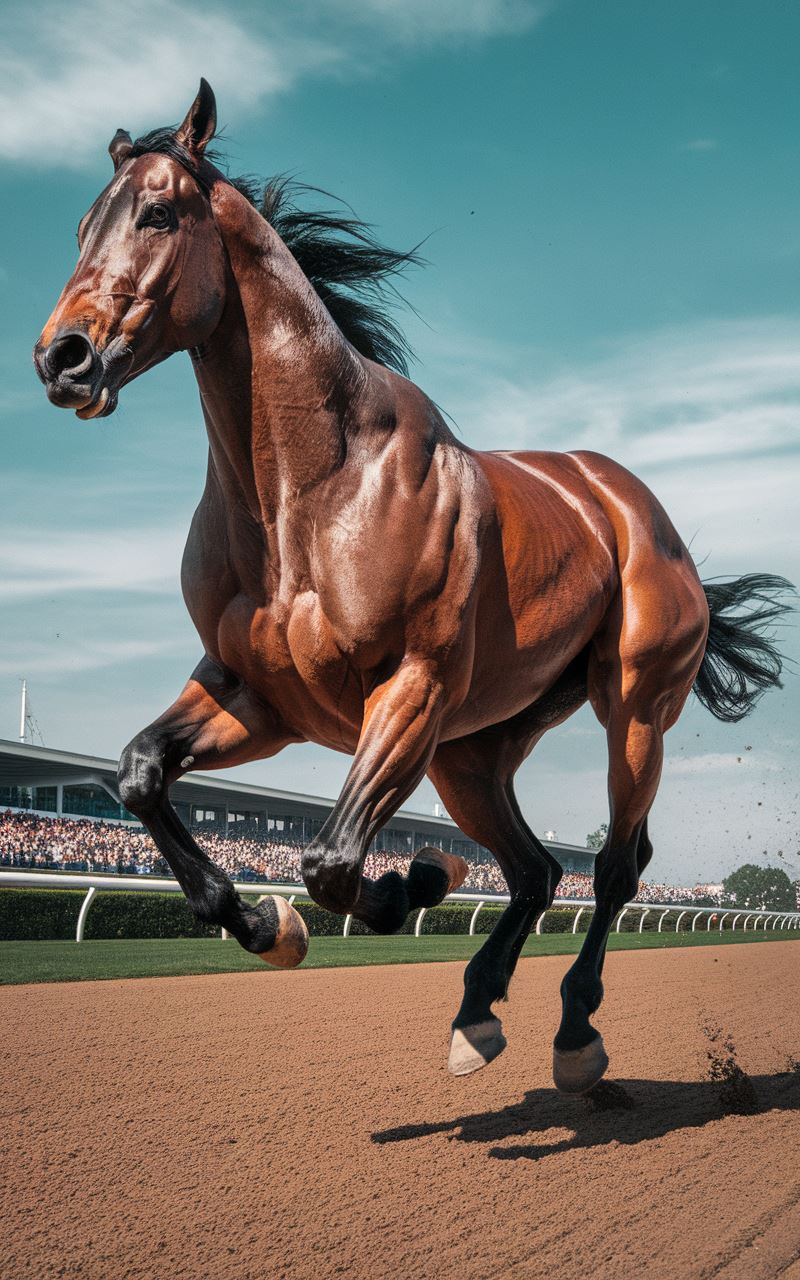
71, 355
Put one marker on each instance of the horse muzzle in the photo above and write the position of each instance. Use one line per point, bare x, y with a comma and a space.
77, 376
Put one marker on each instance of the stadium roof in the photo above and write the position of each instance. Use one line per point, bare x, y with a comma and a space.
25, 765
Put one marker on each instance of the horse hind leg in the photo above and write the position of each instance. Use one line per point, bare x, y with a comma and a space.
579, 1056
638, 686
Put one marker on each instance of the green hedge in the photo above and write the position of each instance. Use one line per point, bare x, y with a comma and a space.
53, 913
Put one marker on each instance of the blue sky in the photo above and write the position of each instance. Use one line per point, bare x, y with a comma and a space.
612, 199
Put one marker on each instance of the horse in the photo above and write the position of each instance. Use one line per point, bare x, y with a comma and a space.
362, 579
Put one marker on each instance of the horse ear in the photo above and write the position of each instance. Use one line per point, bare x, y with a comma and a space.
120, 147
200, 124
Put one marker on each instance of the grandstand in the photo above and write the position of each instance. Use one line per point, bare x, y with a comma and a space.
66, 784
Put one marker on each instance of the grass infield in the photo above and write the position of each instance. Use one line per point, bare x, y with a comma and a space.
176, 957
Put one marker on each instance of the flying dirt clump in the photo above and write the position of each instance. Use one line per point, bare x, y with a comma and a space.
737, 1095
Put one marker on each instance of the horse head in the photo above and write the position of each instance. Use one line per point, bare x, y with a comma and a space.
151, 274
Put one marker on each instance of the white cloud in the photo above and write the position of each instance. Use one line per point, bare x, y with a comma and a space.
70, 78
54, 561
707, 390
417, 21
708, 415
49, 658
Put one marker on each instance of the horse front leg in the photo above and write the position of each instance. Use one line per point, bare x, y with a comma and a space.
399, 735
215, 723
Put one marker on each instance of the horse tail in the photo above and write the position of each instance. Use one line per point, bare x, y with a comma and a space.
741, 660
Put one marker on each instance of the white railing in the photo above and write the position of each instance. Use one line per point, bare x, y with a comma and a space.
160, 884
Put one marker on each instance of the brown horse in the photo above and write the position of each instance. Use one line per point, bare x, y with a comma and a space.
361, 579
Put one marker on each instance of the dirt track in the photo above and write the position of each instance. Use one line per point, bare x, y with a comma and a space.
304, 1125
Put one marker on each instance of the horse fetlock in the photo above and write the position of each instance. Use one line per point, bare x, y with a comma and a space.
582, 995
331, 881
485, 982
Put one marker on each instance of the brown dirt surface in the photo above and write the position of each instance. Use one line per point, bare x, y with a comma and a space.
284, 1126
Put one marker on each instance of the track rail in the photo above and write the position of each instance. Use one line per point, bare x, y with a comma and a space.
162, 884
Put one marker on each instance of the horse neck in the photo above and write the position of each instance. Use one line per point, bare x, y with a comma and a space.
277, 379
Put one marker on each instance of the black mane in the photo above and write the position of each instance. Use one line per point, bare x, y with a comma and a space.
349, 268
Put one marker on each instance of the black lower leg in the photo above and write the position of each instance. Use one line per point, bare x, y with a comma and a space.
332, 873
489, 971
384, 904
209, 892
616, 882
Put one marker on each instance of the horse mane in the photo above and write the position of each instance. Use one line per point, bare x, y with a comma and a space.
351, 271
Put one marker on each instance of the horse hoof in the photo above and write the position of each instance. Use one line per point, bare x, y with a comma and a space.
577, 1071
291, 938
455, 868
474, 1047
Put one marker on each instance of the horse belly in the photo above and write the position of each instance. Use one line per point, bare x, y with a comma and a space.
507, 679
547, 584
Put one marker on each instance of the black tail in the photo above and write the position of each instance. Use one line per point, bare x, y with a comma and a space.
741, 659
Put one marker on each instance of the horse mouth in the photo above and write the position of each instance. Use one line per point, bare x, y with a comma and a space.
100, 407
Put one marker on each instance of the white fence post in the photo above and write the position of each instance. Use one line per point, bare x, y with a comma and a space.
696, 918
663, 917
84, 911
678, 921
348, 920
474, 918
578, 915
418, 925
539, 924
621, 917
644, 916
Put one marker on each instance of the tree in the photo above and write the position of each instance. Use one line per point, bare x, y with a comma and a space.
752, 886
596, 839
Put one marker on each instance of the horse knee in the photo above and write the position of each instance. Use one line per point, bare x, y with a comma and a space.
141, 774
332, 880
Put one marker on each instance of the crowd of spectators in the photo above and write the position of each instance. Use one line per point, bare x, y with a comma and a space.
83, 844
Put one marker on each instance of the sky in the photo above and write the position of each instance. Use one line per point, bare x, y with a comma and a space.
610, 201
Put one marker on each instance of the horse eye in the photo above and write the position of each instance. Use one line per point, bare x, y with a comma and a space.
160, 216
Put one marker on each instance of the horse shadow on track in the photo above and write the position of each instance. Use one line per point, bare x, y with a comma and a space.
624, 1112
